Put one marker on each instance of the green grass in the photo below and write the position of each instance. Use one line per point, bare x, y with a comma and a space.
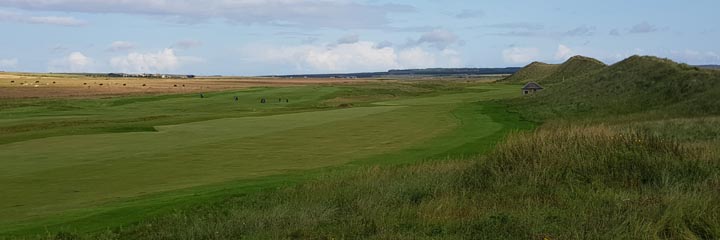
88, 182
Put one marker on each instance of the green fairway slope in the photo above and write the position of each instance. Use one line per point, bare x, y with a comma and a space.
38, 118
77, 181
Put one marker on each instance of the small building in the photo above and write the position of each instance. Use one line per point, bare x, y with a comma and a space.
531, 88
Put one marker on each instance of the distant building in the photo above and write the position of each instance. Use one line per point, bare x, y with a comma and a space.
531, 88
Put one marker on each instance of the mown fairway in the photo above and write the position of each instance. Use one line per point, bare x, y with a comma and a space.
70, 160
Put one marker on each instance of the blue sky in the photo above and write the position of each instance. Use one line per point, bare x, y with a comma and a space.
261, 37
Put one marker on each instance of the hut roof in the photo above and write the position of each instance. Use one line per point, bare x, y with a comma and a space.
532, 85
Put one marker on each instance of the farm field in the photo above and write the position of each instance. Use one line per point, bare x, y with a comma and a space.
34, 85
69, 163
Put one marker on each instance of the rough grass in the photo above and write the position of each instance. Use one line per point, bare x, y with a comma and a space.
597, 182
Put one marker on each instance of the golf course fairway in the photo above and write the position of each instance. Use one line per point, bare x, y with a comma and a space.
193, 146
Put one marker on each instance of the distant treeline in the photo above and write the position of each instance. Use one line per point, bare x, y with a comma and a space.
709, 66
413, 72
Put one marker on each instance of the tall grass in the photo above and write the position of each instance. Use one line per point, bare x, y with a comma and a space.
597, 182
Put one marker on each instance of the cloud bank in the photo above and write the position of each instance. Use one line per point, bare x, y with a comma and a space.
74, 62
6, 16
306, 13
162, 61
518, 55
351, 57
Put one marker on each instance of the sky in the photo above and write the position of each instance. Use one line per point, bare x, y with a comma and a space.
267, 37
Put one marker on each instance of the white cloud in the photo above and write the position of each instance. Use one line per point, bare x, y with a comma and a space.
563, 53
302, 13
439, 38
120, 46
75, 62
6, 16
355, 57
416, 58
162, 61
8, 63
518, 55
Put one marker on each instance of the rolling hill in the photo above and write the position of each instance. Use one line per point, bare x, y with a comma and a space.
636, 84
533, 72
544, 73
574, 68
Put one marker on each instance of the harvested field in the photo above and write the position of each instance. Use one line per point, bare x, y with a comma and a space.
18, 85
